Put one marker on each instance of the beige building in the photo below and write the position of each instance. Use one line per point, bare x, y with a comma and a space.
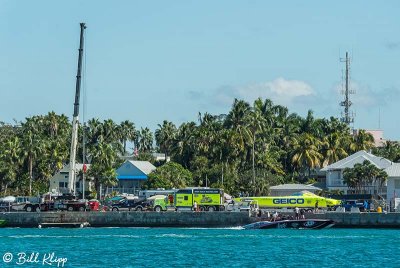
59, 182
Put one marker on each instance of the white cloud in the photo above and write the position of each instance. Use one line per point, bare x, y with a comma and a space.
280, 90
365, 97
298, 96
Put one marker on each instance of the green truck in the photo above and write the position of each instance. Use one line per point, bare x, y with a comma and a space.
207, 199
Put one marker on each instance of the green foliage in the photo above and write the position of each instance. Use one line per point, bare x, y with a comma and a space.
170, 175
362, 175
251, 148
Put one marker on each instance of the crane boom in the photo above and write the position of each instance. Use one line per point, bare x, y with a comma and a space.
75, 120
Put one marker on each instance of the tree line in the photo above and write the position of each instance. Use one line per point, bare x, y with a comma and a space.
249, 149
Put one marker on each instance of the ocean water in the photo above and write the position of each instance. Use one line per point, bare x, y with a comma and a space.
197, 247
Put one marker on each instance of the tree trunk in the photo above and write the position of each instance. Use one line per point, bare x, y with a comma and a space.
97, 187
30, 174
222, 168
253, 156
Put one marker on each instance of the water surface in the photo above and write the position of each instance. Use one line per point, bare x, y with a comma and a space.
196, 247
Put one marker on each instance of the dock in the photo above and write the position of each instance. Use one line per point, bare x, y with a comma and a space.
63, 225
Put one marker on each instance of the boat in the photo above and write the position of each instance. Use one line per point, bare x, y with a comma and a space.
292, 224
303, 199
63, 225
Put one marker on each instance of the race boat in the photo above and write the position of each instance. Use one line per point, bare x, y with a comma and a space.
302, 199
292, 224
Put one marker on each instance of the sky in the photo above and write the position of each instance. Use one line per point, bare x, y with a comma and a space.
149, 61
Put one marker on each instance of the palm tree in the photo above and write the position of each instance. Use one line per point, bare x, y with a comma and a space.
390, 150
127, 132
165, 135
361, 176
306, 152
33, 144
333, 148
145, 140
103, 165
10, 161
110, 133
255, 124
184, 145
363, 141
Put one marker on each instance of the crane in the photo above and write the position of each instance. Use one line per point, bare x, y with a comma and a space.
75, 120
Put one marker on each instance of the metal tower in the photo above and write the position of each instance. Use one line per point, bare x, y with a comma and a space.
347, 115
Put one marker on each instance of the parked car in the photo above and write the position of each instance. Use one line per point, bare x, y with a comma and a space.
131, 204
348, 204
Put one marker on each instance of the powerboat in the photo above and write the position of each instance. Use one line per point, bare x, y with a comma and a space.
292, 224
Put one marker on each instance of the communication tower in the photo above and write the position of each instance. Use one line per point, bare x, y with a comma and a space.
347, 116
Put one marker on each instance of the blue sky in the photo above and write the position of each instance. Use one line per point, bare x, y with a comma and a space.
148, 61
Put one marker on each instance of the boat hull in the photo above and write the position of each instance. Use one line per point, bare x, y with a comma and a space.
292, 224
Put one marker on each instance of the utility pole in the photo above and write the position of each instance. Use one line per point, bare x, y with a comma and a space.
347, 115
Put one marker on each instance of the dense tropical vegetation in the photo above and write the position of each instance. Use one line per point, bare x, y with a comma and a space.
248, 149
361, 176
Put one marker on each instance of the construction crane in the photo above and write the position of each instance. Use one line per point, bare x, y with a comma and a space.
75, 120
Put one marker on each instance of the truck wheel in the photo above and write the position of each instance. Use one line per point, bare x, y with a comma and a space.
28, 209
70, 208
202, 208
211, 208
139, 208
37, 209
3, 210
157, 208
82, 209
114, 209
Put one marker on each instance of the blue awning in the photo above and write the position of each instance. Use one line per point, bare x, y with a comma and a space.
131, 177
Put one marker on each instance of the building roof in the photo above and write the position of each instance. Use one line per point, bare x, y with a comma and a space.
359, 158
293, 186
145, 166
393, 170
135, 170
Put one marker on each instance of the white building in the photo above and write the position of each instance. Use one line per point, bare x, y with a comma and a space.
334, 172
393, 181
59, 182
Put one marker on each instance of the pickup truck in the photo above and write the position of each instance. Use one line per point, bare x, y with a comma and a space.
130, 204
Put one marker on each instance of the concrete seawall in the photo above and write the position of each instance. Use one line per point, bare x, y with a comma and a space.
362, 220
187, 219
129, 219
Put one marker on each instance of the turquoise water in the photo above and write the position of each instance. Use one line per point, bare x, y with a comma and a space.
175, 247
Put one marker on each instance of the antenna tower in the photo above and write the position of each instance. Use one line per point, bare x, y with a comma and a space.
347, 115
